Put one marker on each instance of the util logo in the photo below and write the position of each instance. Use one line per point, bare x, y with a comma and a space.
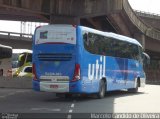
97, 71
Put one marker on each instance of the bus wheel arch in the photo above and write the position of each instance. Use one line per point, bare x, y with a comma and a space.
105, 81
137, 84
102, 88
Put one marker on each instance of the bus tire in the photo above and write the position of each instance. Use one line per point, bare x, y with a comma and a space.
134, 90
102, 90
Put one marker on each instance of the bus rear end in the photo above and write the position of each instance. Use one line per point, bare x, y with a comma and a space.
54, 58
5, 61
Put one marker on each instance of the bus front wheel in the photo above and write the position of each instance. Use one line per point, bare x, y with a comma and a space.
102, 90
134, 90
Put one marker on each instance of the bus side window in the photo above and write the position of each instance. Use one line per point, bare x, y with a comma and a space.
90, 42
109, 46
136, 54
85, 38
117, 48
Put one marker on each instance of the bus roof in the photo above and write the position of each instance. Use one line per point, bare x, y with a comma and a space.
112, 35
125, 38
4, 46
22, 50
107, 34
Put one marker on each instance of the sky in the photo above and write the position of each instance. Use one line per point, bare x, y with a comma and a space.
151, 6
9, 26
16, 26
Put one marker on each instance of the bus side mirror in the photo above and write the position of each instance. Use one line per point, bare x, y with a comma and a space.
146, 59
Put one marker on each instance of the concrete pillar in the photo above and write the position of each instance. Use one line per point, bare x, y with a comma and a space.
64, 20
140, 38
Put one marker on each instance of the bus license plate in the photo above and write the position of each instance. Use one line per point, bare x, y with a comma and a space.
54, 86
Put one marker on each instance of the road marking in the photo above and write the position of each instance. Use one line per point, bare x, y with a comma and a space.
69, 116
2, 96
23, 91
72, 105
46, 109
70, 111
11, 94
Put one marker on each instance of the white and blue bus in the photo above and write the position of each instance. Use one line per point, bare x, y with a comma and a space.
5, 61
79, 60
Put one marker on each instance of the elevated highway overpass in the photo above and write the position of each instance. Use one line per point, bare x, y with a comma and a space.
107, 15
16, 40
151, 19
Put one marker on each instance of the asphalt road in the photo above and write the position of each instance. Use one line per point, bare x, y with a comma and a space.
147, 100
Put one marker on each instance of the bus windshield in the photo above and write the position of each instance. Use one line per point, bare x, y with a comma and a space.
15, 60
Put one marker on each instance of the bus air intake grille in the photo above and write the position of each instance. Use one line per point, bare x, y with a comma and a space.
54, 57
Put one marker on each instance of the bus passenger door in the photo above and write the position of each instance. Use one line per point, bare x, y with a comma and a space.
117, 73
129, 77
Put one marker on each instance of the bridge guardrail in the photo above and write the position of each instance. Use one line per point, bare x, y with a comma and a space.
147, 14
14, 35
144, 28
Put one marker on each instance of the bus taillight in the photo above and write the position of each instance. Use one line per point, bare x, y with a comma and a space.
34, 72
76, 76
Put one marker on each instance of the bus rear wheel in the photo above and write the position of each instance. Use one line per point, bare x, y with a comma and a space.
102, 90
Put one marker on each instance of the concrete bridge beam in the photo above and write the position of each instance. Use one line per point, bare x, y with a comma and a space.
141, 38
64, 20
16, 44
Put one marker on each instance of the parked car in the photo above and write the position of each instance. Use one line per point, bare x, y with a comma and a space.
26, 72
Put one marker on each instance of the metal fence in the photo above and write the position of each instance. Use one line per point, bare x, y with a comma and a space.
147, 14
16, 36
147, 30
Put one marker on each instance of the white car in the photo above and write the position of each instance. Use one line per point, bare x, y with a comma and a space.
27, 71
